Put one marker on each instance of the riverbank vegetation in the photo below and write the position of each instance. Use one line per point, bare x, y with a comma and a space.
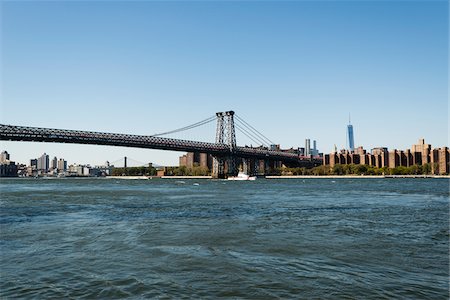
317, 171
356, 170
185, 171
134, 171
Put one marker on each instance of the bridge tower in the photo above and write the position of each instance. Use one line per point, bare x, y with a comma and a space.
225, 134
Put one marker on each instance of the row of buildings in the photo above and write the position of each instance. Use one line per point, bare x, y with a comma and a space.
419, 154
44, 166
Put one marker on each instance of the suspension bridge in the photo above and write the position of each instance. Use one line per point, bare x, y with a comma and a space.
227, 155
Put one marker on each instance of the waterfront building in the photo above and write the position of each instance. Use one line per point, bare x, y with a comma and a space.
192, 159
421, 152
355, 158
4, 157
380, 157
43, 163
32, 168
443, 163
54, 163
8, 168
360, 151
334, 159
105, 170
409, 158
393, 159
79, 170
62, 165
33, 163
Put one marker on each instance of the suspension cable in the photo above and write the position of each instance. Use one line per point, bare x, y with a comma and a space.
203, 122
254, 131
250, 135
250, 127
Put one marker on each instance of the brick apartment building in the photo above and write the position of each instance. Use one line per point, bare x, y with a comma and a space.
380, 157
191, 159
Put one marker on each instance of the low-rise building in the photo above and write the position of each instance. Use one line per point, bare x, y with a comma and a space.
8, 169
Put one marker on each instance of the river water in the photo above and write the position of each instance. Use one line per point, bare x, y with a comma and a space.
267, 239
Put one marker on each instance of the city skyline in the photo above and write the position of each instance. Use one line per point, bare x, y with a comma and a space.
294, 70
119, 162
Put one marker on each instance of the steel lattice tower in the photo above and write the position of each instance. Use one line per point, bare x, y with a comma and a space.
225, 134
219, 162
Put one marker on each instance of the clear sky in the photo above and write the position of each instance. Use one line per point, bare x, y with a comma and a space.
292, 69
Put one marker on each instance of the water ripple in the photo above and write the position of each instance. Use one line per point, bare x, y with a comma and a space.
280, 239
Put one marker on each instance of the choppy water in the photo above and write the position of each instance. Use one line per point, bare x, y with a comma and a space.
312, 238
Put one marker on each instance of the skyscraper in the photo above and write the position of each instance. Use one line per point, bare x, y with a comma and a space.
307, 147
54, 163
351, 141
314, 151
43, 163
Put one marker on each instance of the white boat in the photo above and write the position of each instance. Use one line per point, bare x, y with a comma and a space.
242, 176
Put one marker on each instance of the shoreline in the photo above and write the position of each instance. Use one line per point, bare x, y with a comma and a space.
266, 177
355, 176
157, 177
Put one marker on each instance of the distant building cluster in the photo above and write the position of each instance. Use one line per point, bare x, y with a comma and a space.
419, 154
44, 166
308, 151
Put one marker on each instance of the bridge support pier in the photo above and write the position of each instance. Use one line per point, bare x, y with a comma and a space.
224, 167
245, 166
225, 134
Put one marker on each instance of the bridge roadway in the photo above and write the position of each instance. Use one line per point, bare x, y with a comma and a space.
36, 134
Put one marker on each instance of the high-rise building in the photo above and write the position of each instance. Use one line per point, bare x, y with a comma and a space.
314, 151
54, 163
351, 140
62, 165
43, 163
307, 147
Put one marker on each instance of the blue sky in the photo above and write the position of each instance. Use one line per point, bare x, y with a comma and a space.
292, 69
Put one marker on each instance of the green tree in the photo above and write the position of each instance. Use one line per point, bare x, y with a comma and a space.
338, 169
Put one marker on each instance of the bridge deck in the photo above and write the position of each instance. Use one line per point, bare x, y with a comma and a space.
37, 134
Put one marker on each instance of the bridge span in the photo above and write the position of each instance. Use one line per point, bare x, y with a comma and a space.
227, 155
49, 135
